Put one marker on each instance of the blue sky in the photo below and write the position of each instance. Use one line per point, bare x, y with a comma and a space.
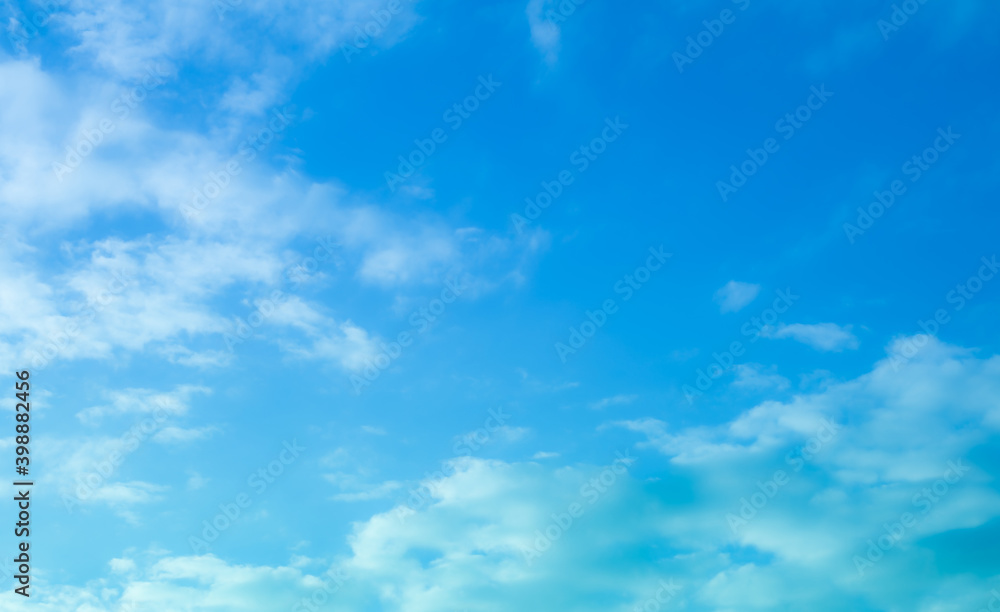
517, 305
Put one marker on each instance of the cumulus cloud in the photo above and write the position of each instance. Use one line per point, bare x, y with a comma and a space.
826, 471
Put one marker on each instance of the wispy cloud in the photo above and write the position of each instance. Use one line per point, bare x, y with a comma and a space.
545, 33
821, 336
181, 435
614, 400
140, 401
757, 377
734, 296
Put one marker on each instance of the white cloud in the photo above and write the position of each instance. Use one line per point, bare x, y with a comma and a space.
123, 37
159, 294
464, 547
821, 336
885, 447
163, 290
93, 465
172, 281
342, 343
734, 296
121, 494
397, 251
898, 408
146, 401
125, 295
